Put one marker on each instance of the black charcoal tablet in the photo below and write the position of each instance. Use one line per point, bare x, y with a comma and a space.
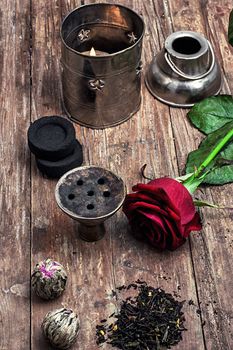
51, 138
58, 168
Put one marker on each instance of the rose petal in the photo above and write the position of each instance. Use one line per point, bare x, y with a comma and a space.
164, 212
172, 193
136, 205
158, 226
146, 197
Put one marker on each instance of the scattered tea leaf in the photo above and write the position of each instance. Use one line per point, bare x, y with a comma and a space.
153, 319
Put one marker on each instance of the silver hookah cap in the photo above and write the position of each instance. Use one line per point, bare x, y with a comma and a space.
185, 71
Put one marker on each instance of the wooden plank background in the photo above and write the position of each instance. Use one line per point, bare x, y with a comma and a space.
33, 228
15, 181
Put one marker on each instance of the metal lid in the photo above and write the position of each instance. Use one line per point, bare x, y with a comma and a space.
185, 71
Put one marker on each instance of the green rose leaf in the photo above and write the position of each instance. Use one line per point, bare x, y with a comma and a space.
218, 175
230, 29
212, 113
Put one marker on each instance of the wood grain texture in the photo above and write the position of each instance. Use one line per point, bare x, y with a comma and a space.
34, 228
15, 175
149, 139
212, 248
54, 235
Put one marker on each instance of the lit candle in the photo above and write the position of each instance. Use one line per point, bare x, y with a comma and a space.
94, 52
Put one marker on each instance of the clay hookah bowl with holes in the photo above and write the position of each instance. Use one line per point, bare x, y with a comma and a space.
90, 195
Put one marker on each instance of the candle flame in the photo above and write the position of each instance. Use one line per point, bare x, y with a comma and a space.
92, 52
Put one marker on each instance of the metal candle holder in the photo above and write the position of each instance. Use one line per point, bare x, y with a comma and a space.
90, 195
185, 71
103, 90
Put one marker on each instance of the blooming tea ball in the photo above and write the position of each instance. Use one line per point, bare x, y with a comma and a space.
49, 279
61, 328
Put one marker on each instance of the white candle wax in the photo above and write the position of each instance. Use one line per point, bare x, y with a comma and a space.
94, 52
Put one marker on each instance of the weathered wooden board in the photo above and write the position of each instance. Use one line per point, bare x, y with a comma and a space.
89, 265
150, 140
15, 175
157, 135
212, 248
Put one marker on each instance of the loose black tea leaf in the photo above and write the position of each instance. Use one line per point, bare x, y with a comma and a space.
121, 288
152, 320
103, 321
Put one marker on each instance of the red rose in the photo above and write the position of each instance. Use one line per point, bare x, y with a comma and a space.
162, 212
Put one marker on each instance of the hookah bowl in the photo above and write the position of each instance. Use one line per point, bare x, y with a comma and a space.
90, 195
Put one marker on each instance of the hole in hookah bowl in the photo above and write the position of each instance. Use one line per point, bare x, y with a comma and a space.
71, 196
90, 206
186, 45
106, 194
80, 182
101, 181
90, 193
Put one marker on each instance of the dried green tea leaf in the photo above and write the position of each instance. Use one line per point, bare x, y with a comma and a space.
48, 279
61, 327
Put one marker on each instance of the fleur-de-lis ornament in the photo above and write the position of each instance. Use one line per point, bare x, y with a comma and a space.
84, 34
139, 68
132, 38
96, 84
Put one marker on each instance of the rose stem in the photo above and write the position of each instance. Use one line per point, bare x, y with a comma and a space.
214, 153
194, 181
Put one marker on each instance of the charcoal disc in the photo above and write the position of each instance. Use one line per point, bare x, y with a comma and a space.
51, 138
58, 168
